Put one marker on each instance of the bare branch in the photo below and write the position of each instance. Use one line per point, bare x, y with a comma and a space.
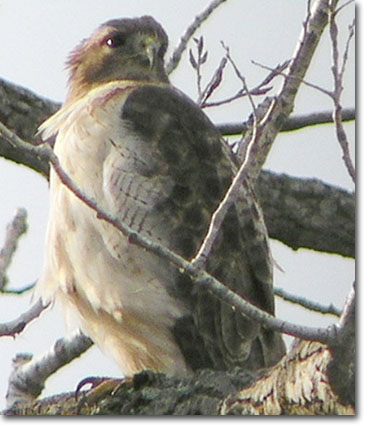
301, 80
307, 304
18, 325
310, 213
296, 122
197, 64
344, 5
282, 105
15, 229
19, 290
335, 95
198, 21
233, 191
23, 112
213, 84
260, 89
27, 380
338, 87
347, 47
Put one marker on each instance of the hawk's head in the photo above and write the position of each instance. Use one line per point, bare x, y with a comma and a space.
119, 49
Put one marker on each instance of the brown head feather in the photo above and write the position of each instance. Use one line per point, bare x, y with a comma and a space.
120, 49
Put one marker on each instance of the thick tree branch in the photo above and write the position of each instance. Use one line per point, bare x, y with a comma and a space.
298, 385
22, 111
312, 379
308, 213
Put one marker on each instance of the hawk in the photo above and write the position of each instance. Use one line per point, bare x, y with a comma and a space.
149, 155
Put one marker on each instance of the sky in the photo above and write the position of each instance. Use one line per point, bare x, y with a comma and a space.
36, 39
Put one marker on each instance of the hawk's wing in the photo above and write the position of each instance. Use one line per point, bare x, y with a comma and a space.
166, 184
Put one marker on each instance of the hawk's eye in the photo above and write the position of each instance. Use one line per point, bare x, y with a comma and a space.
115, 41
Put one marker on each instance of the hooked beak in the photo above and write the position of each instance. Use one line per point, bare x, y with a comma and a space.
152, 50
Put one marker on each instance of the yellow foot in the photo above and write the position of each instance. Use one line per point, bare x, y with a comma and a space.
100, 387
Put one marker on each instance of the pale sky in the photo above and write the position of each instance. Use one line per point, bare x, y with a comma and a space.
36, 38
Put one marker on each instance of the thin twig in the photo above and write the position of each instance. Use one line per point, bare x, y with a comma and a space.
198, 21
307, 304
260, 89
15, 229
197, 64
288, 76
213, 84
234, 189
338, 88
344, 5
16, 326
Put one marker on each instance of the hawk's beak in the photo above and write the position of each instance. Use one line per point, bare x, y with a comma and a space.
152, 50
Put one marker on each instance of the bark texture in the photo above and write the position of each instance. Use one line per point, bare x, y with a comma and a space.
298, 385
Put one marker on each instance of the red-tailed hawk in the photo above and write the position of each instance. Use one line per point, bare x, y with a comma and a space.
149, 155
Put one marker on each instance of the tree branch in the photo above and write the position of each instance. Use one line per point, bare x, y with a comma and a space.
273, 115
15, 229
28, 377
338, 86
234, 189
198, 21
307, 213
16, 326
298, 385
307, 304
23, 112
296, 122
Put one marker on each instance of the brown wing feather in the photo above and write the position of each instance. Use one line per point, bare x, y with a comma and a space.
189, 155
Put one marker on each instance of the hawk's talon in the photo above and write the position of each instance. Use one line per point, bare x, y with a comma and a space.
93, 381
100, 387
